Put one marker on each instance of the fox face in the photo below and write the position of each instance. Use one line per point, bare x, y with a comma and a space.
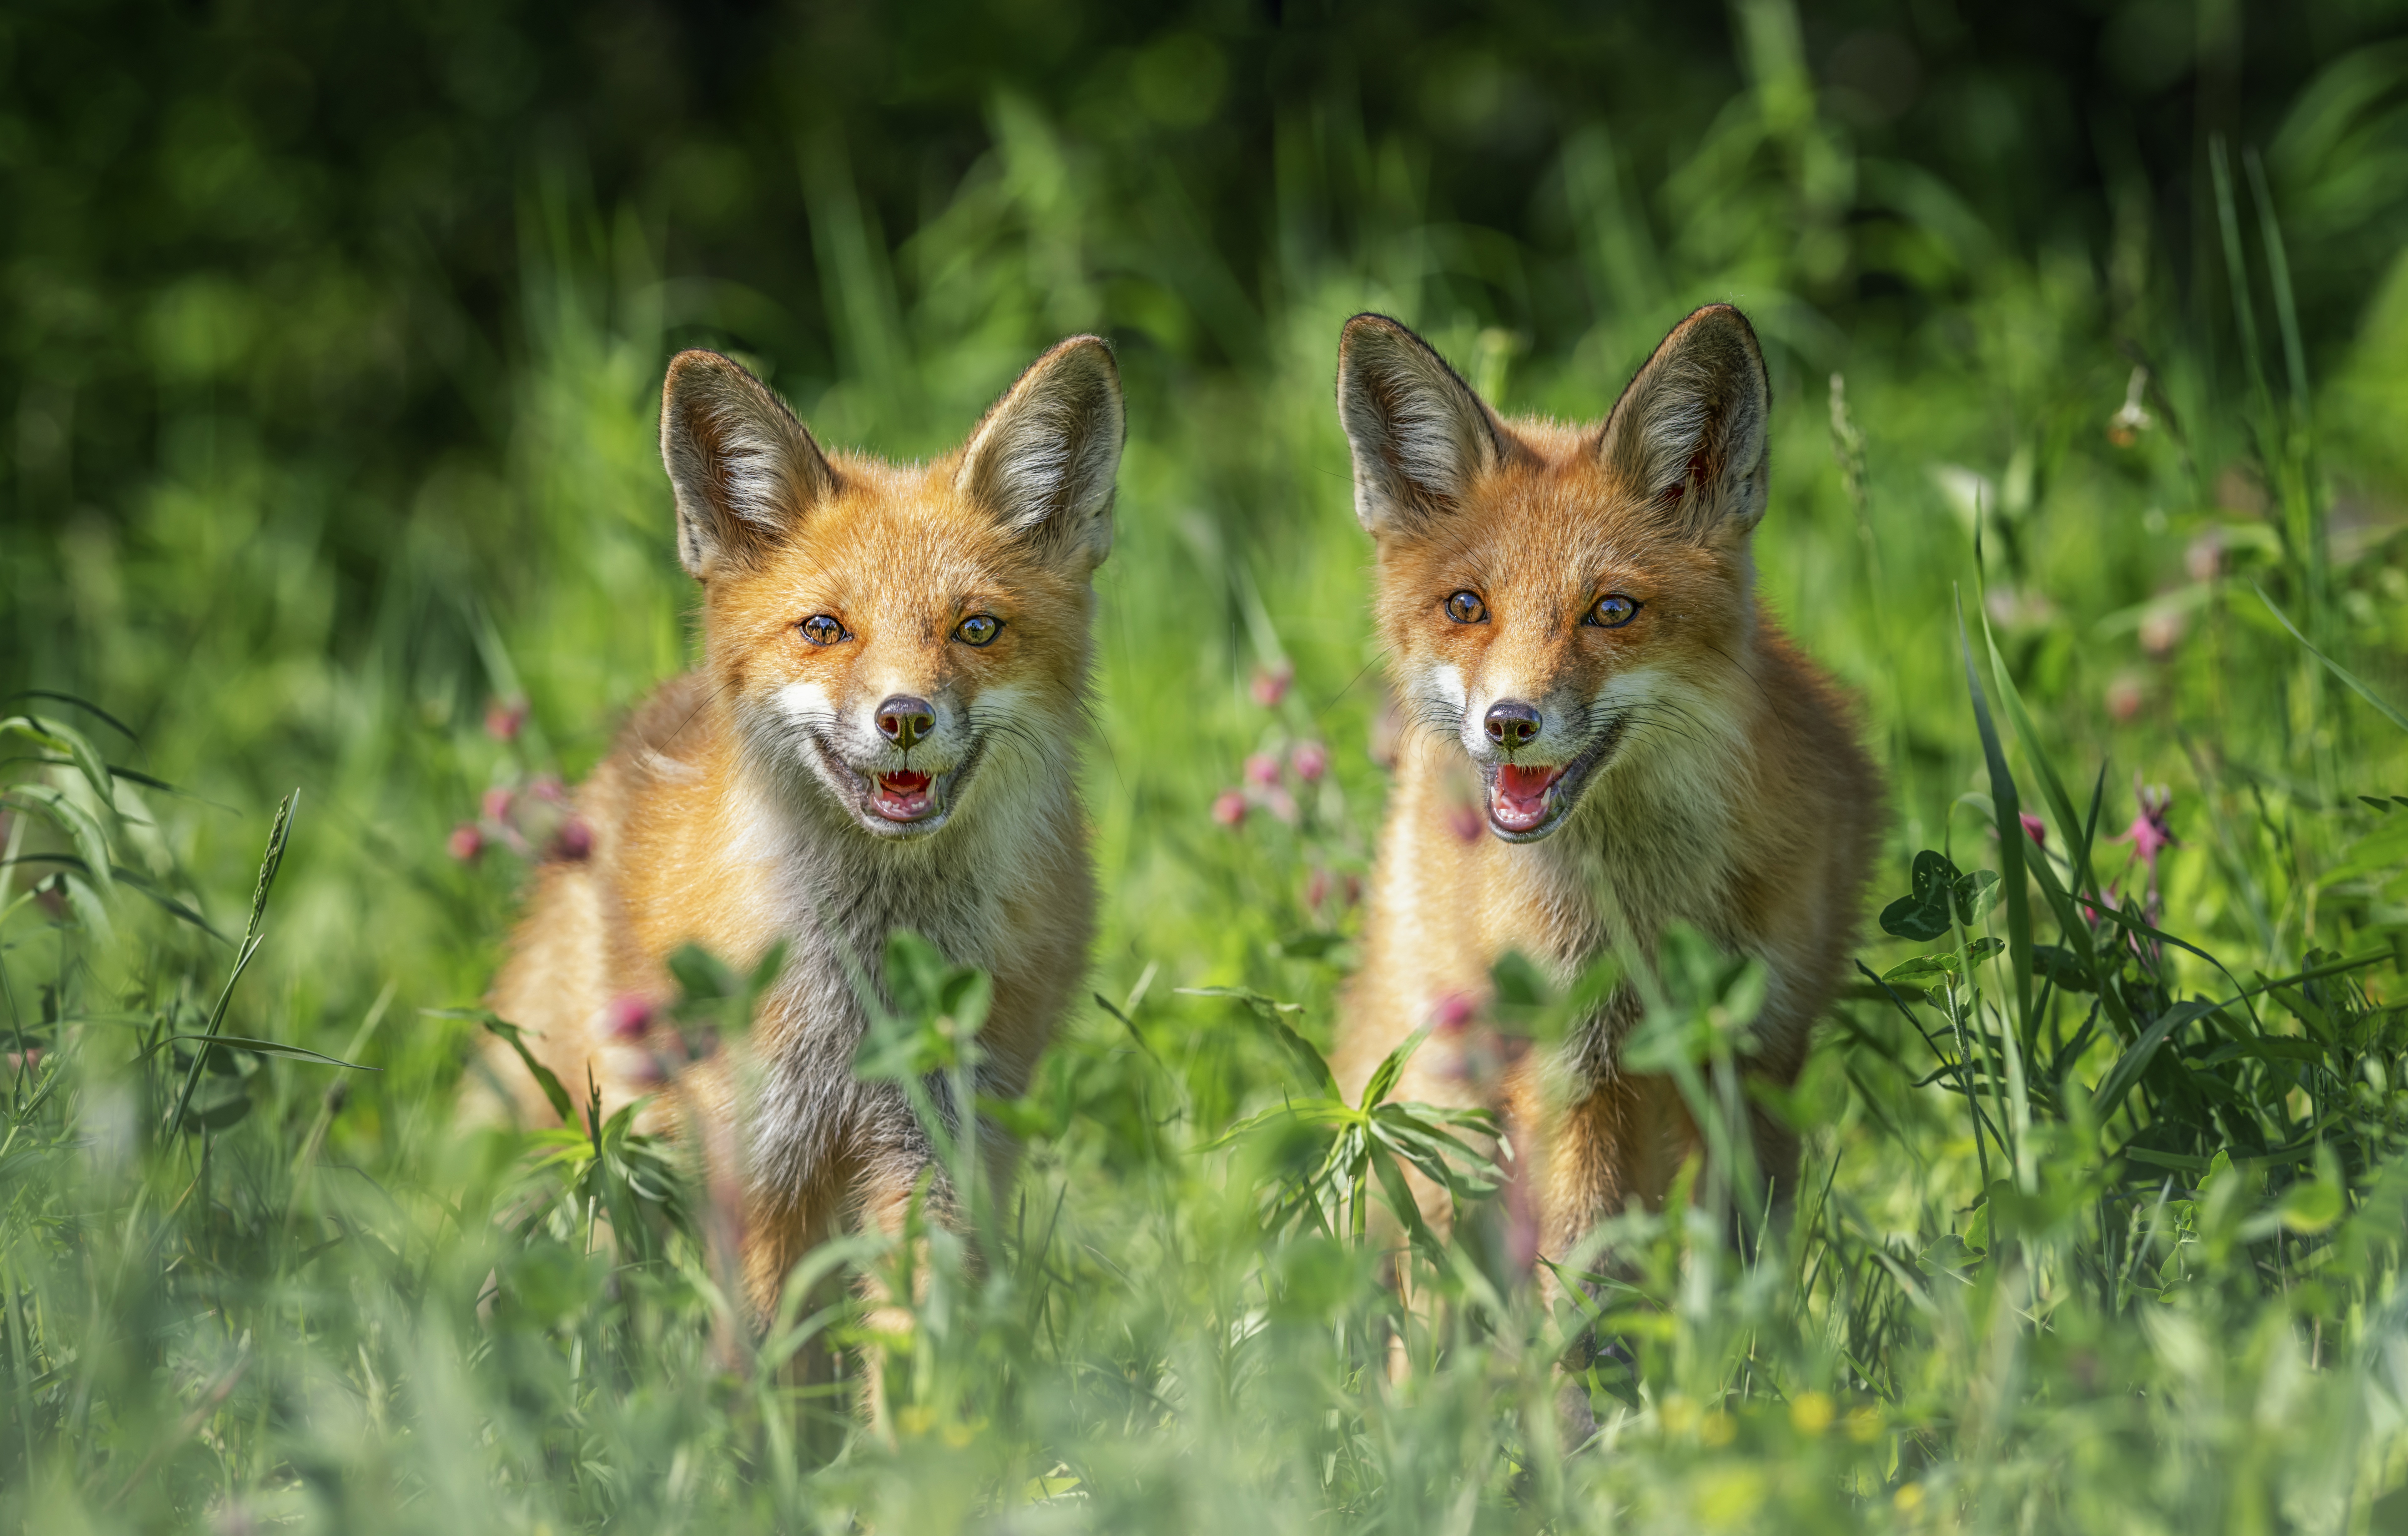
892, 638
1564, 603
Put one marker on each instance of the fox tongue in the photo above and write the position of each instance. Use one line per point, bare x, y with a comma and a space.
901, 797
1520, 798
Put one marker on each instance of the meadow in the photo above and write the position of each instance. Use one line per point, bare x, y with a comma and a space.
2105, 528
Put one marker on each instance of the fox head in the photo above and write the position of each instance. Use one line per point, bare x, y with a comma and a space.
1563, 602
888, 639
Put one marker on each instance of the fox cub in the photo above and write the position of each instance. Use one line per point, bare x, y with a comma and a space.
1615, 738
884, 734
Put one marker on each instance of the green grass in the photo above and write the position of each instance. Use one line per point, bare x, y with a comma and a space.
2103, 1219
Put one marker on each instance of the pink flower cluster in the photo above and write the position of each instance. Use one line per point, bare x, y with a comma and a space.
646, 1044
1266, 787
533, 821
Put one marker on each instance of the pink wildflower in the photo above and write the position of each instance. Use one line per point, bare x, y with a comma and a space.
504, 718
575, 840
1317, 887
1311, 760
1262, 768
547, 788
2125, 698
1451, 1011
1272, 684
1229, 808
465, 841
2161, 631
629, 1017
2148, 834
2035, 828
498, 804
2205, 558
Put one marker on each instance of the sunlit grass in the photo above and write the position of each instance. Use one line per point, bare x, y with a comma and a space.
2045, 1273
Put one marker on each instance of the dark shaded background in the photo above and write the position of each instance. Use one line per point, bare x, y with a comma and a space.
313, 218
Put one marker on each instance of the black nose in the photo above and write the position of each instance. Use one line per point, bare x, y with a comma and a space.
1512, 723
904, 720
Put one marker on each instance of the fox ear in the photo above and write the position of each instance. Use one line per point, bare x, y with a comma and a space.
1420, 435
745, 470
1690, 430
1043, 459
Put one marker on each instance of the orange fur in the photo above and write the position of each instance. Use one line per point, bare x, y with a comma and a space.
1710, 774
739, 809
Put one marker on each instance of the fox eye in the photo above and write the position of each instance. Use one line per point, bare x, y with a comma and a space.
1614, 611
821, 629
1467, 608
978, 629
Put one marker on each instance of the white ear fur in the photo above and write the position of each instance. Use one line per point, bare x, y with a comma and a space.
1043, 459
1692, 428
1419, 434
744, 469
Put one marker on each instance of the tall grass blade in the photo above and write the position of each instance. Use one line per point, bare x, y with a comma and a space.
2278, 276
2351, 679
2009, 811
2236, 273
278, 832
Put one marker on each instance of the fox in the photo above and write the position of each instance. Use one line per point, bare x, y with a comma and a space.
1607, 735
884, 732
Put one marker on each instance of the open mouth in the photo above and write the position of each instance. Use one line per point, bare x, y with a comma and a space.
1518, 801
905, 796
1526, 801
897, 802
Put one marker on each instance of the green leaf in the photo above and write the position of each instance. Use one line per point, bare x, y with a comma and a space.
2062, 966
1383, 1077
271, 1048
553, 1094
71, 744
2347, 677
1926, 968
223, 1102
1310, 1063
2311, 1206
1311, 946
2135, 1059
81, 827
1923, 915
1976, 894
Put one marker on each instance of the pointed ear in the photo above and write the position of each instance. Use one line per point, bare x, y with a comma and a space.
745, 470
1691, 430
1043, 459
1420, 435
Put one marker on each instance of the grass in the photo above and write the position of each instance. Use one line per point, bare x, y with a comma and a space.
2104, 1214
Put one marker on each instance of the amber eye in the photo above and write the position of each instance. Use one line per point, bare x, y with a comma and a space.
978, 629
1467, 608
1614, 611
821, 629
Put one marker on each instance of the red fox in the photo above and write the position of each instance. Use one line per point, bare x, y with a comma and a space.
1614, 738
884, 734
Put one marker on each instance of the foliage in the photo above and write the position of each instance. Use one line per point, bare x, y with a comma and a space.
336, 469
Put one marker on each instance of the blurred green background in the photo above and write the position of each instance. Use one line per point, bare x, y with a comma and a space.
335, 338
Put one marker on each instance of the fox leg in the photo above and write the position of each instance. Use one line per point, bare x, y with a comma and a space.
1618, 1148
897, 1168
